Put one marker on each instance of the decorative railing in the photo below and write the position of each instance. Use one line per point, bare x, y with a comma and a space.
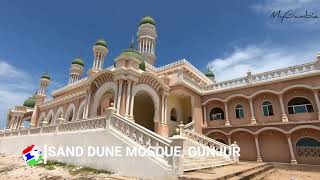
208, 142
36, 130
49, 129
69, 85
254, 78
138, 133
178, 63
189, 126
24, 131
94, 123
299, 69
149, 66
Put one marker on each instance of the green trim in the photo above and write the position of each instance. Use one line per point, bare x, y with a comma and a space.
46, 76
209, 73
78, 61
147, 20
101, 42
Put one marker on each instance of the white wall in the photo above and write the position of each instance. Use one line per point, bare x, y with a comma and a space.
142, 167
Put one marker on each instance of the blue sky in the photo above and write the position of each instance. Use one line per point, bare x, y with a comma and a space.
230, 37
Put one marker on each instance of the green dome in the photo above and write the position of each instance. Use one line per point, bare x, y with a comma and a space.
147, 20
209, 73
46, 76
101, 42
142, 66
78, 61
131, 52
30, 102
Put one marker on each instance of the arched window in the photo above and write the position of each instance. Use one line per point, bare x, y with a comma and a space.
70, 116
216, 114
239, 111
267, 108
308, 142
308, 147
299, 105
173, 115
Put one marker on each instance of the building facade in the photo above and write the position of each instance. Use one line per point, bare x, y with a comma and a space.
273, 116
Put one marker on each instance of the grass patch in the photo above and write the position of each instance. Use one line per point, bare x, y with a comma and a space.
49, 167
73, 170
88, 170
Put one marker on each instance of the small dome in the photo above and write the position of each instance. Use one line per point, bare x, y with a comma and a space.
131, 52
209, 73
46, 76
101, 42
147, 20
78, 61
30, 102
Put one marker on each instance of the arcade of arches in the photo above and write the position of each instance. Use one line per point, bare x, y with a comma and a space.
274, 145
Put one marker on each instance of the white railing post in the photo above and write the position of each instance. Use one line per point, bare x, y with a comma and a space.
233, 155
60, 121
181, 129
109, 111
176, 161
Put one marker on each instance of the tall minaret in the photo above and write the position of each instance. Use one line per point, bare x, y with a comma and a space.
100, 50
76, 70
44, 82
147, 38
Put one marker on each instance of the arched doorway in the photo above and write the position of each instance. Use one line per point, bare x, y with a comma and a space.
274, 146
102, 99
106, 101
179, 110
246, 142
143, 110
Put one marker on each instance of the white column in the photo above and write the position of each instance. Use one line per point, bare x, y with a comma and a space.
86, 109
316, 97
162, 108
256, 140
283, 111
119, 96
128, 97
131, 107
204, 116
165, 109
293, 158
152, 47
227, 122
253, 119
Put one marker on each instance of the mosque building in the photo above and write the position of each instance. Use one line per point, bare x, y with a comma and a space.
273, 116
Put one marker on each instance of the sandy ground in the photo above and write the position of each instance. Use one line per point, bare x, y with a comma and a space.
279, 172
283, 174
14, 168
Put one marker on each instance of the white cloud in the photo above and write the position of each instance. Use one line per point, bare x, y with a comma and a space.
15, 86
259, 58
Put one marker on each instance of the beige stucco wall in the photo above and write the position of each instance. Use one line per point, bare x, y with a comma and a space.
257, 104
247, 145
274, 146
232, 113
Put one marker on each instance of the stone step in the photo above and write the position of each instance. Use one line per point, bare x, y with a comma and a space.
263, 175
196, 166
245, 175
186, 160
